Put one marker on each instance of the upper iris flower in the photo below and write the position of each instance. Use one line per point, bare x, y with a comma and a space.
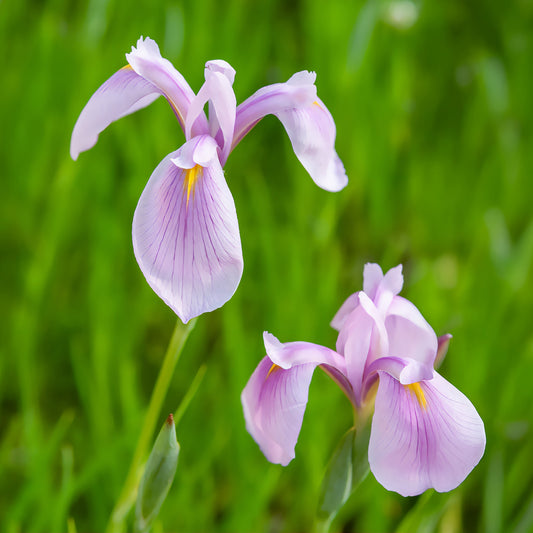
425, 433
185, 230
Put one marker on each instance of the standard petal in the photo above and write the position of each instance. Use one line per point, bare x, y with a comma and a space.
274, 402
146, 61
425, 435
122, 94
216, 90
372, 277
299, 91
186, 235
311, 130
345, 310
354, 342
409, 333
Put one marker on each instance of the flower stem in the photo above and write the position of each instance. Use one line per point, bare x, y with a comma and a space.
129, 490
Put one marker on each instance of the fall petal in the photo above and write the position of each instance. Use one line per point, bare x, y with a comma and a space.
424, 435
185, 232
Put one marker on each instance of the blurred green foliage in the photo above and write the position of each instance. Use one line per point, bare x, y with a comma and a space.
434, 125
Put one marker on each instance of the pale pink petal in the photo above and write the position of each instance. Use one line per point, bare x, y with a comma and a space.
372, 277
186, 235
409, 333
311, 130
427, 435
345, 310
393, 280
275, 397
289, 354
122, 94
217, 90
272, 99
146, 61
274, 404
354, 343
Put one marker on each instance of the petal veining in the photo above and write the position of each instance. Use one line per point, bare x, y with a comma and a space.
186, 237
424, 435
123, 93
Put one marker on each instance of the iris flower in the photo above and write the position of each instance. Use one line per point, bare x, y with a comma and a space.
425, 433
185, 230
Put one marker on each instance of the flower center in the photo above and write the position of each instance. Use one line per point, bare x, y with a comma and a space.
416, 390
273, 369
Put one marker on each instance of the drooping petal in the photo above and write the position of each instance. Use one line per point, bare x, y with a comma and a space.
272, 99
146, 61
274, 403
122, 94
409, 333
311, 130
185, 231
275, 397
424, 435
216, 90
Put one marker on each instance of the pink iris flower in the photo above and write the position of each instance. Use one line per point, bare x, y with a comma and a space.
185, 230
424, 434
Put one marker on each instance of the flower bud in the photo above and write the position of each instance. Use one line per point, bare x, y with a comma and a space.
158, 476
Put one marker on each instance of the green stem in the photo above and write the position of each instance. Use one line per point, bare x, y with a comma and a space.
128, 494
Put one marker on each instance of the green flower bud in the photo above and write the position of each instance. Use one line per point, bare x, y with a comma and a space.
158, 476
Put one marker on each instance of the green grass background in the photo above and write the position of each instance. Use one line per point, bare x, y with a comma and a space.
434, 126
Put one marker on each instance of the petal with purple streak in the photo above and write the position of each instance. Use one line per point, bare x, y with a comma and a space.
275, 397
185, 231
122, 94
424, 435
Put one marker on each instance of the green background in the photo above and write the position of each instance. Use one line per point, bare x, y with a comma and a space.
434, 126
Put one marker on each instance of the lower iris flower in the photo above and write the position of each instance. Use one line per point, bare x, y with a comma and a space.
425, 433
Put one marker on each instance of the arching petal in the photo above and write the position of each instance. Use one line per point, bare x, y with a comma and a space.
344, 312
311, 130
409, 333
424, 435
185, 231
275, 398
289, 354
146, 61
299, 91
122, 94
